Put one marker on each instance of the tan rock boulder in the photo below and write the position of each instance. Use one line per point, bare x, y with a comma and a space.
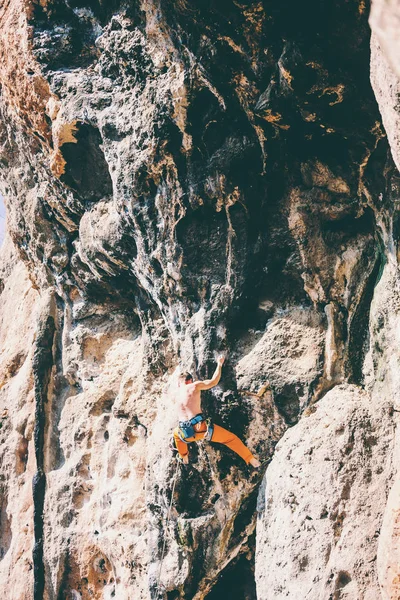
322, 501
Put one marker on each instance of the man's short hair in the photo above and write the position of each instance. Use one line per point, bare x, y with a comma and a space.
185, 376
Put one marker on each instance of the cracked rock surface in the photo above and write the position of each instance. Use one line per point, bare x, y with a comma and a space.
183, 179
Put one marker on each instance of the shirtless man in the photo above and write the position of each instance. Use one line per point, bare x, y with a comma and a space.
193, 425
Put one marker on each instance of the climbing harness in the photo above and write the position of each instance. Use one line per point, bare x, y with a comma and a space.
166, 528
187, 430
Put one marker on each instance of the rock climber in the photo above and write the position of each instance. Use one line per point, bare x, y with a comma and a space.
194, 426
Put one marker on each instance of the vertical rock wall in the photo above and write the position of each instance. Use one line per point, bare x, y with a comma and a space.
181, 179
328, 508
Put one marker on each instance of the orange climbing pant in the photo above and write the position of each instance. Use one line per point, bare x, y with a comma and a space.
220, 435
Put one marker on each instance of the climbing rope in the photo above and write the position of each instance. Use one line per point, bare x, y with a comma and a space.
166, 529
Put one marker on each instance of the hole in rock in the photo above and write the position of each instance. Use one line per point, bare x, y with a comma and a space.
86, 169
342, 580
235, 582
288, 403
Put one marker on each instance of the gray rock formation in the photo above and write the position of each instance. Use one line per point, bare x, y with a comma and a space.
183, 179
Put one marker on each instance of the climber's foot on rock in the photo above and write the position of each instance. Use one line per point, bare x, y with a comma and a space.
255, 463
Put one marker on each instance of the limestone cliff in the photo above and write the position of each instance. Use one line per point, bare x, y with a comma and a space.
184, 178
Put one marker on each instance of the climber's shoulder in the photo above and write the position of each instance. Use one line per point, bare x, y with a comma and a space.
192, 387
199, 385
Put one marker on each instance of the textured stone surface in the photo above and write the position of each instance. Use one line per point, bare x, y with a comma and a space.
312, 544
386, 87
288, 358
382, 364
384, 21
19, 305
183, 179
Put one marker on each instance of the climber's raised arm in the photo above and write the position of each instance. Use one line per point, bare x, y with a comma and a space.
210, 383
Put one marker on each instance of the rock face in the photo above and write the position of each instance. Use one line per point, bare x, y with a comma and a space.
183, 179
311, 544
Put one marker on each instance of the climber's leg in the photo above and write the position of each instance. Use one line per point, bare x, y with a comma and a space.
183, 449
223, 436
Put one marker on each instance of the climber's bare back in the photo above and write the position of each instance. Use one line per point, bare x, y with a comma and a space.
189, 401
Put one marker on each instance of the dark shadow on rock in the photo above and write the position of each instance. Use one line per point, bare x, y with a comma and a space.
86, 169
236, 581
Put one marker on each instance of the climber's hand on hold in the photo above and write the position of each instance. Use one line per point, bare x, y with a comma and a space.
210, 383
